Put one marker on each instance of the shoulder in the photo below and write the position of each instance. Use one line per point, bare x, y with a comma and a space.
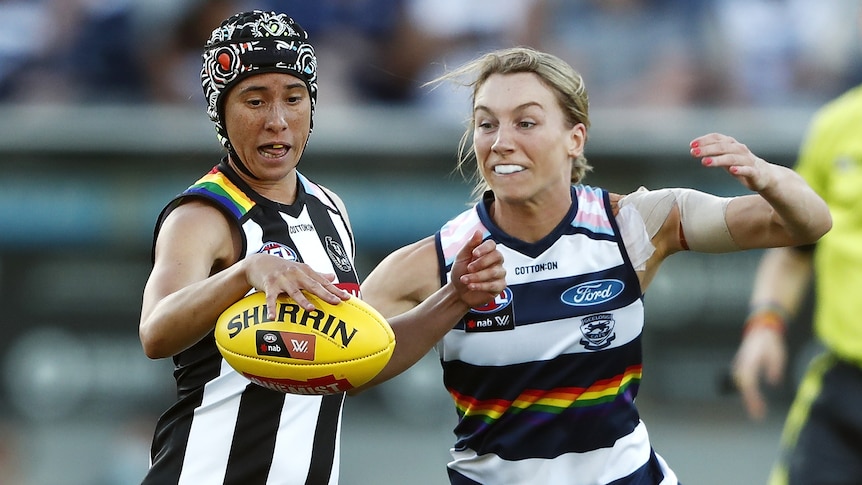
326, 196
217, 187
457, 231
194, 215
199, 225
336, 200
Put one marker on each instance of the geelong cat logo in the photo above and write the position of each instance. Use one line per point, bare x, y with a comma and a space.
593, 292
598, 331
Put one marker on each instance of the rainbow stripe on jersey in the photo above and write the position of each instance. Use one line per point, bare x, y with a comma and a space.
216, 185
552, 401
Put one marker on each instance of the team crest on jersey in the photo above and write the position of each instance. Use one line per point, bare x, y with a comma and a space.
598, 331
494, 316
337, 254
280, 250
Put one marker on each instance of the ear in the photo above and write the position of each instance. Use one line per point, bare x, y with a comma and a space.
577, 139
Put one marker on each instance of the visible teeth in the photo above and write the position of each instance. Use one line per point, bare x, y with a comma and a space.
273, 151
506, 169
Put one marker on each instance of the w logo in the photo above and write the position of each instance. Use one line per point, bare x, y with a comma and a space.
299, 345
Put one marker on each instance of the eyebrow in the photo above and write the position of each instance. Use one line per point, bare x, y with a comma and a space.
258, 87
520, 107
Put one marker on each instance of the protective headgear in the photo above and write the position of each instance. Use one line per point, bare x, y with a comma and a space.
251, 43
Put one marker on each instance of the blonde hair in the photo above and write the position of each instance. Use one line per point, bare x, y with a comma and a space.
566, 83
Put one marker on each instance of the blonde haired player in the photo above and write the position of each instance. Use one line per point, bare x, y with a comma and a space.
544, 378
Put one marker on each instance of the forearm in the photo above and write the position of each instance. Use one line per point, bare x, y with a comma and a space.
179, 319
418, 330
802, 213
780, 286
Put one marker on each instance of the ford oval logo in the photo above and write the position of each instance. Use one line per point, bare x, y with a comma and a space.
498, 303
592, 292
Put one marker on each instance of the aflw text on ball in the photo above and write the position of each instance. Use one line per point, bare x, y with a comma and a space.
322, 322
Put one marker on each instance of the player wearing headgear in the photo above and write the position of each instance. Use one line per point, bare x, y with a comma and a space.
222, 428
255, 223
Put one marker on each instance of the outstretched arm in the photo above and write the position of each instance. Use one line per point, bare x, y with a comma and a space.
785, 212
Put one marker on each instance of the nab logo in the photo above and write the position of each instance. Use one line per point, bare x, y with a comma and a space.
291, 345
500, 302
495, 316
280, 250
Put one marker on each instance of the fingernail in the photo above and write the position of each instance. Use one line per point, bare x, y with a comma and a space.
696, 152
695, 144
707, 161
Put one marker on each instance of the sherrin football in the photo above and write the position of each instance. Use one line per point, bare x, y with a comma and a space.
329, 350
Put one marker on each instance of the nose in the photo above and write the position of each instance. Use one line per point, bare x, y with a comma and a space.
277, 118
503, 140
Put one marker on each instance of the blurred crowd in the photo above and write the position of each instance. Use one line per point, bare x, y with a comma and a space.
654, 53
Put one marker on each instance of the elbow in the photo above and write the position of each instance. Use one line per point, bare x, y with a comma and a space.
812, 232
821, 225
826, 226
153, 346
822, 219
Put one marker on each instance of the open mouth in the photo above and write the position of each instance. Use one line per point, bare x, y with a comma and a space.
273, 151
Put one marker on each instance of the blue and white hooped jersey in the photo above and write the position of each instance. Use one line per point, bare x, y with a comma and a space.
544, 378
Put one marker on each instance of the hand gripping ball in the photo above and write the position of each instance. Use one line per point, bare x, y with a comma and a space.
329, 350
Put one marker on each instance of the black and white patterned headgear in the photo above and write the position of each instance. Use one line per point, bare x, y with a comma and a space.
251, 43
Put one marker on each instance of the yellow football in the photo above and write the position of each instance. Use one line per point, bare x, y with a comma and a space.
329, 350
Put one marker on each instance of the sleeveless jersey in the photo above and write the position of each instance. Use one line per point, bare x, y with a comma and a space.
224, 429
545, 377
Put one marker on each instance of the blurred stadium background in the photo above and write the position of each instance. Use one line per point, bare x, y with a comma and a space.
102, 122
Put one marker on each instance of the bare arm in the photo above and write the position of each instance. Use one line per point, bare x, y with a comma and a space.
785, 211
780, 285
405, 287
403, 279
196, 276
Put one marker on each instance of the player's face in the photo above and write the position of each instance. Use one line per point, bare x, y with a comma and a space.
268, 119
524, 145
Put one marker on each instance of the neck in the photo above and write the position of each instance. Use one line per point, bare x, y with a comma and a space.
527, 221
